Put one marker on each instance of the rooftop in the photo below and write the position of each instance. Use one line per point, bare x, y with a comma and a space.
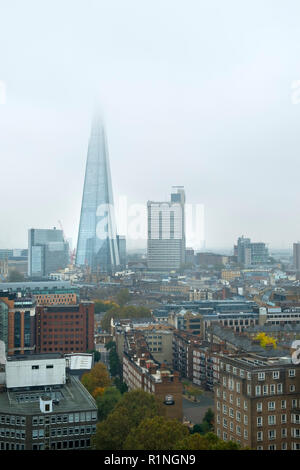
71, 397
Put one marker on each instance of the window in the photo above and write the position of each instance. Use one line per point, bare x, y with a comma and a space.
292, 388
283, 404
258, 390
259, 406
271, 434
261, 376
265, 390
271, 420
35, 367
271, 405
276, 374
259, 436
259, 421
283, 418
279, 388
283, 432
49, 366
292, 372
272, 389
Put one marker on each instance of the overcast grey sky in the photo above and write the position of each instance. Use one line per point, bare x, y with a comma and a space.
195, 93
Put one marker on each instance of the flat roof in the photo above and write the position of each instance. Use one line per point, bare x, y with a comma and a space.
34, 357
73, 397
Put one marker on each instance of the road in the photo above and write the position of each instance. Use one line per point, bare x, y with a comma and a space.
195, 412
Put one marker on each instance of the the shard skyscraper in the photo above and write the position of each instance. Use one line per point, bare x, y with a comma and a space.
97, 239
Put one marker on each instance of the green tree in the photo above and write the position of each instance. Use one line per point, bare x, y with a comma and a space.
121, 386
207, 442
128, 413
97, 355
107, 402
156, 433
122, 297
129, 311
98, 377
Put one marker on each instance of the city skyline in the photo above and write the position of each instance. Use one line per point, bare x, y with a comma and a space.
208, 102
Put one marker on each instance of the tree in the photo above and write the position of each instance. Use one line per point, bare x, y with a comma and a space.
156, 433
107, 401
128, 413
97, 354
207, 442
121, 386
104, 305
206, 425
129, 311
15, 276
97, 377
123, 297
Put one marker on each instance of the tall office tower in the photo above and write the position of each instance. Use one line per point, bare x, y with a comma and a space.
97, 242
166, 232
121, 240
47, 252
243, 251
251, 253
296, 256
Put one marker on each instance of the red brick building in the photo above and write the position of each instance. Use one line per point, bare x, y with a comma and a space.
65, 328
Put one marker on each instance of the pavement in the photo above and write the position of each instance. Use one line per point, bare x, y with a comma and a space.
195, 412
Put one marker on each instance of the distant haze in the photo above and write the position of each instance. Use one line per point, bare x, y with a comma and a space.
195, 93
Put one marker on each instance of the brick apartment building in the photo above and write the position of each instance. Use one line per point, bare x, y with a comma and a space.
141, 371
195, 359
257, 402
65, 328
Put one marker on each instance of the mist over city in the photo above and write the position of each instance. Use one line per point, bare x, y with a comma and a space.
199, 95
149, 242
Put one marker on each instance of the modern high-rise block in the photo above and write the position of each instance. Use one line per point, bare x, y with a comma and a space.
122, 250
296, 256
166, 232
97, 240
47, 252
249, 253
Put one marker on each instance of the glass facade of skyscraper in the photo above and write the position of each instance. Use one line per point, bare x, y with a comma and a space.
97, 243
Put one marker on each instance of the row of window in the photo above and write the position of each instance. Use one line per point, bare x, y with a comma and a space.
58, 432
11, 446
284, 446
271, 390
13, 420
70, 444
12, 433
276, 374
260, 375
66, 418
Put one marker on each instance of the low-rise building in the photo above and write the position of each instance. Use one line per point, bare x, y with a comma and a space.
42, 407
